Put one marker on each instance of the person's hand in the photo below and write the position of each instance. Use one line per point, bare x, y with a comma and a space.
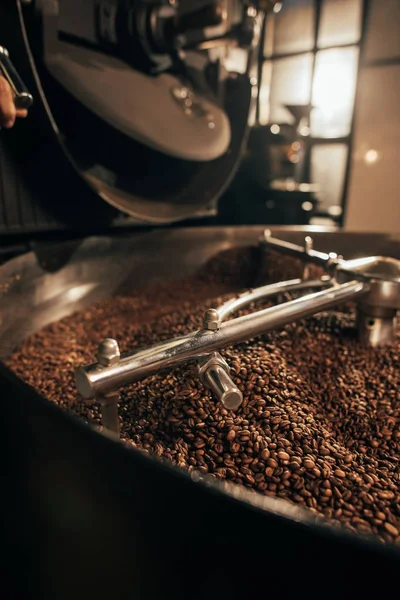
8, 112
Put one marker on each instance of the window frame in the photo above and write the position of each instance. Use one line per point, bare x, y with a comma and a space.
315, 141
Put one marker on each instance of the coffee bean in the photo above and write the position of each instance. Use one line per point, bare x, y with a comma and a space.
265, 454
339, 473
283, 456
386, 495
380, 515
320, 420
391, 529
324, 451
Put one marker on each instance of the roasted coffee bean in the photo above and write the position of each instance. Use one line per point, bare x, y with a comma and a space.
320, 420
265, 454
283, 456
339, 473
391, 529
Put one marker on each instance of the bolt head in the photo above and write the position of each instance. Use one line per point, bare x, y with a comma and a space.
308, 243
211, 320
108, 353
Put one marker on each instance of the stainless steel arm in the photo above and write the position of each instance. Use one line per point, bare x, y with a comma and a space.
96, 380
306, 254
262, 293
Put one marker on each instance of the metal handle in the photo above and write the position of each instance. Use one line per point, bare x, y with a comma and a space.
22, 97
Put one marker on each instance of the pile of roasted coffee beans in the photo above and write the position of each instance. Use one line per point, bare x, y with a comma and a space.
320, 421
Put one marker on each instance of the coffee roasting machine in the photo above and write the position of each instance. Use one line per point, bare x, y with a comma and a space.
137, 124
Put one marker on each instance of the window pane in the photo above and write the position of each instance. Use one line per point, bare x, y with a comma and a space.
236, 60
382, 38
328, 170
340, 22
290, 84
333, 92
294, 27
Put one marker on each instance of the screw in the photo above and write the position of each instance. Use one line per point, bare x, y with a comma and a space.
211, 320
309, 242
108, 353
308, 246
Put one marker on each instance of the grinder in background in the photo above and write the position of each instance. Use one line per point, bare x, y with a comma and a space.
135, 103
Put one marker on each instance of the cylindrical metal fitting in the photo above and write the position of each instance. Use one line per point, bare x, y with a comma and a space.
219, 382
109, 413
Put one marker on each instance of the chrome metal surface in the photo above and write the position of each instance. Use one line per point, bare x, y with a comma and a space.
214, 374
108, 352
376, 330
211, 320
109, 413
308, 246
382, 273
222, 386
321, 259
92, 381
262, 293
380, 268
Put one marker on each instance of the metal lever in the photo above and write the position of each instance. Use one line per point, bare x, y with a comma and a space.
22, 97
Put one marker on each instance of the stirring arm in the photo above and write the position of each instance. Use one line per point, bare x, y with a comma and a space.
97, 380
320, 259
